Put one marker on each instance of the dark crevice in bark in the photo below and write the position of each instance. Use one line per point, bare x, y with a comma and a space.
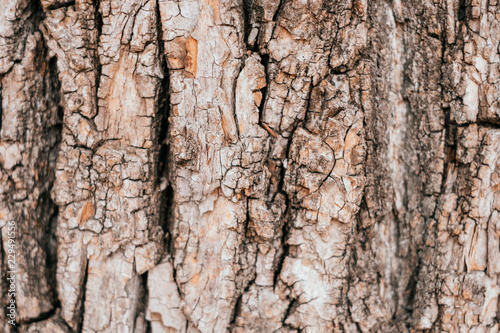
288, 212
166, 216
236, 312
68, 328
50, 239
83, 295
148, 327
292, 306
343, 69
61, 5
411, 288
352, 261
42, 316
37, 13
462, 10
238, 304
450, 148
235, 84
285, 227
167, 194
164, 91
49, 315
56, 86
278, 11
246, 236
164, 162
50, 247
450, 138
163, 112
248, 8
398, 224
487, 124
98, 66
450, 130
143, 302
264, 60
247, 239
286, 247
177, 284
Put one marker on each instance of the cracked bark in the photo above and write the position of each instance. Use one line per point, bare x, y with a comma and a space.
251, 165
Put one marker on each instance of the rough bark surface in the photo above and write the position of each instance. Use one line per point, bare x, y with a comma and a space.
251, 165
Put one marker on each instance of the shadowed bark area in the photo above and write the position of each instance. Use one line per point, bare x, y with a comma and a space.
251, 165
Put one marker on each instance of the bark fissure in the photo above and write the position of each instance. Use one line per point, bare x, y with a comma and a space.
60, 5
97, 62
82, 297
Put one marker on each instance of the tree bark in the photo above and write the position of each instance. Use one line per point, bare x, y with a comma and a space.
250, 165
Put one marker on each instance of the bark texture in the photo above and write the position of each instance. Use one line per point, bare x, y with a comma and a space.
251, 165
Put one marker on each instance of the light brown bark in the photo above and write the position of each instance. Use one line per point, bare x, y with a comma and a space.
251, 165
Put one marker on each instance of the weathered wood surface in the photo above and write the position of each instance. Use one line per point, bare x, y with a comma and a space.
251, 165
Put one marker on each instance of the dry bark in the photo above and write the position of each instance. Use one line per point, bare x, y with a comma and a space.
251, 165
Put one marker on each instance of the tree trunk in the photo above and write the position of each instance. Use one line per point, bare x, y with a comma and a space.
250, 165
